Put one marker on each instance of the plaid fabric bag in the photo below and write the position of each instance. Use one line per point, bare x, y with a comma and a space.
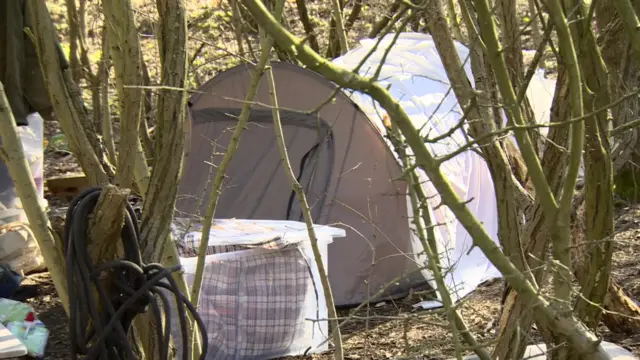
253, 298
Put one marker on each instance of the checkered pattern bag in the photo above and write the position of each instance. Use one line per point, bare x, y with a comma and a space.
253, 298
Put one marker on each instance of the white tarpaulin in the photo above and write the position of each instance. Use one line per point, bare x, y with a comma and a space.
418, 80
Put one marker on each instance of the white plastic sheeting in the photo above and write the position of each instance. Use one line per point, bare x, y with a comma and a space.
417, 79
18, 246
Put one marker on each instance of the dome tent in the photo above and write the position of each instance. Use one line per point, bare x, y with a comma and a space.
349, 172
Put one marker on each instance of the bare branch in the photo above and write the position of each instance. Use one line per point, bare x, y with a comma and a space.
126, 56
579, 337
258, 71
67, 113
13, 156
306, 211
340, 29
303, 12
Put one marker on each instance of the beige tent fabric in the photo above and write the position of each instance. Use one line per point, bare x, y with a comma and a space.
350, 175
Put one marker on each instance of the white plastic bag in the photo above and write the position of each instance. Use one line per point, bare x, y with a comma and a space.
19, 249
18, 246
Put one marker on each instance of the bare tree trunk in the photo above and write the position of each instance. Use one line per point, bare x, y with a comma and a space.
385, 19
622, 314
12, 155
482, 122
334, 47
267, 45
453, 21
516, 315
560, 230
106, 125
74, 34
623, 65
157, 245
147, 111
623, 68
594, 266
78, 55
238, 27
353, 15
170, 130
512, 45
156, 242
338, 44
72, 118
309, 29
127, 62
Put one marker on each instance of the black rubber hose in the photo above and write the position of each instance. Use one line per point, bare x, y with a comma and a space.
100, 332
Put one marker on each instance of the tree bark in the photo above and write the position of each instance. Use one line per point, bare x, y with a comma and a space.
12, 155
512, 45
267, 44
516, 315
621, 313
426, 234
156, 243
453, 21
71, 117
505, 163
106, 125
238, 27
74, 34
127, 62
309, 29
338, 44
623, 68
147, 112
385, 19
536, 34
593, 268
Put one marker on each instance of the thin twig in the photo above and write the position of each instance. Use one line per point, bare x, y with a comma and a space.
258, 71
306, 212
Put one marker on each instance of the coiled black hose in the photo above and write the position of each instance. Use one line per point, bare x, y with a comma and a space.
101, 333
